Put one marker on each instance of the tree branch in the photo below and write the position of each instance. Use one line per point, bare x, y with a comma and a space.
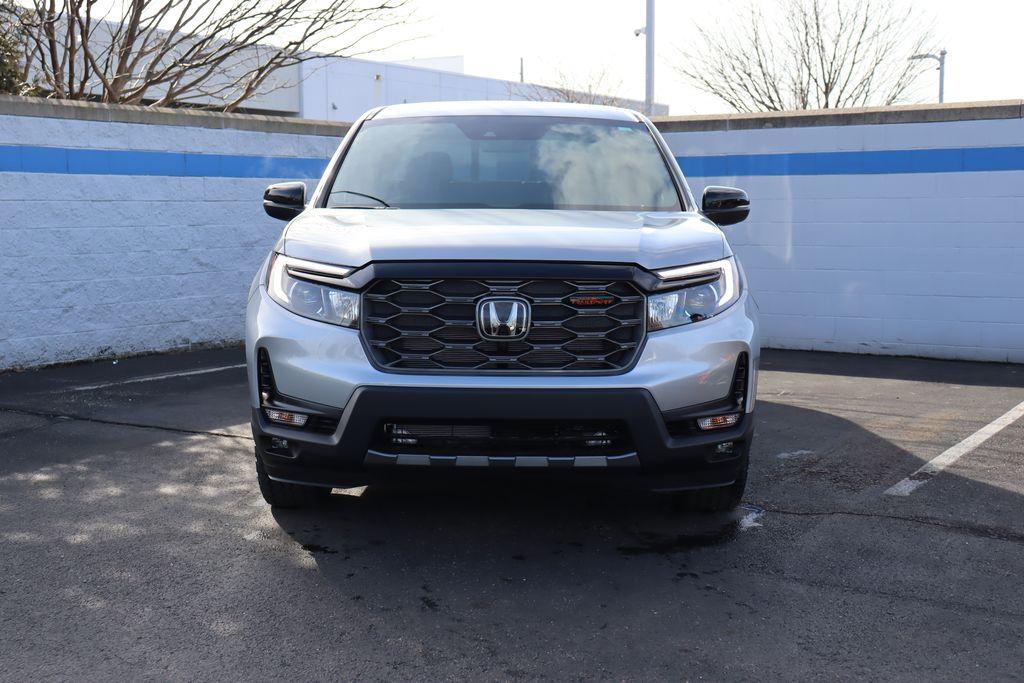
809, 54
174, 52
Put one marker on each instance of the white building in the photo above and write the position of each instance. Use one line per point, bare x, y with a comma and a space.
336, 89
342, 89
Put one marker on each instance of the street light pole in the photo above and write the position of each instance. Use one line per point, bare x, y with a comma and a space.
941, 59
648, 33
942, 75
649, 36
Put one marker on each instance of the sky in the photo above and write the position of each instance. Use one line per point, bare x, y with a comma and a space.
582, 39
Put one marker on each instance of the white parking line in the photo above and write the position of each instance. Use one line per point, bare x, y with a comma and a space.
153, 378
927, 471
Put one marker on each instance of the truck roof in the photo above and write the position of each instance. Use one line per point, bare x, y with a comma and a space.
505, 108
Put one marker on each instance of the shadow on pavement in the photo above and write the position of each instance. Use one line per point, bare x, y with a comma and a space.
149, 550
969, 373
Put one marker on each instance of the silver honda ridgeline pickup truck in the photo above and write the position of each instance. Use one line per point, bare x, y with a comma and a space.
515, 288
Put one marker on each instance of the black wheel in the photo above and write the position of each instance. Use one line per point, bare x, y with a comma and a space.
718, 499
283, 495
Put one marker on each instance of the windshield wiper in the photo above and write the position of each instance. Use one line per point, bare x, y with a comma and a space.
380, 201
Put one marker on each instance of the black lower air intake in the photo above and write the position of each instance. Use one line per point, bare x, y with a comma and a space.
739, 381
264, 376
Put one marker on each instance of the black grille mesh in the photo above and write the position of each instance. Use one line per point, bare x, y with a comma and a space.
429, 325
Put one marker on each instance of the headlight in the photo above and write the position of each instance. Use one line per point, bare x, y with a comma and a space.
706, 289
291, 284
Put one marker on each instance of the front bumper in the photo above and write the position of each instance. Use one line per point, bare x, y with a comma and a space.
348, 456
324, 369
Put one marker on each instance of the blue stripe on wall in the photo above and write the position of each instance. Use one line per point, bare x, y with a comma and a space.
960, 160
37, 159
31, 159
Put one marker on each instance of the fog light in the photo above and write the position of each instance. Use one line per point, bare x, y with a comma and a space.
278, 444
718, 421
724, 448
285, 417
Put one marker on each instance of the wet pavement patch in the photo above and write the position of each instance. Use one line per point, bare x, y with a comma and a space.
650, 543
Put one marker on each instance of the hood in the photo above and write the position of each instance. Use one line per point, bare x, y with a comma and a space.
355, 237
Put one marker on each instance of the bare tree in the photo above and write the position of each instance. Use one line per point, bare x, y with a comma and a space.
10, 71
186, 52
595, 88
12, 80
810, 54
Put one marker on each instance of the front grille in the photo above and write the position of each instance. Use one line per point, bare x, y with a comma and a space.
577, 326
505, 438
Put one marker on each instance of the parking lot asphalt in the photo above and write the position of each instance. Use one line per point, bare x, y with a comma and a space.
134, 544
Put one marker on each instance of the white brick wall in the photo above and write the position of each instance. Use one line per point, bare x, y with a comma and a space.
98, 265
928, 264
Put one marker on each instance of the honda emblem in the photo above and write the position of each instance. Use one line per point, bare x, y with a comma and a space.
503, 318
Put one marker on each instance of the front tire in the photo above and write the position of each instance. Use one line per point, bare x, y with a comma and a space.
283, 495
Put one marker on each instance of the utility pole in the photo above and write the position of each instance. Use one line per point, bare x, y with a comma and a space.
521, 70
648, 32
941, 59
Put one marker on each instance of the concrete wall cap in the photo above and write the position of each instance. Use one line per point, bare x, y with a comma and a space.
915, 113
13, 105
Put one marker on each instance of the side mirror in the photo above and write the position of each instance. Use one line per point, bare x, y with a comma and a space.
725, 205
284, 201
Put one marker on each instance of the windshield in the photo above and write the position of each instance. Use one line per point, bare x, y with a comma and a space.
504, 162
